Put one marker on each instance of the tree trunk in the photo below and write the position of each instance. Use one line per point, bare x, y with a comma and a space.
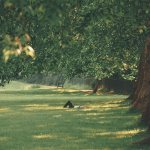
96, 86
137, 87
145, 141
142, 92
146, 112
141, 96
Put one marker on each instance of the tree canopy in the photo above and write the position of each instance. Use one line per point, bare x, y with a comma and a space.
106, 37
99, 38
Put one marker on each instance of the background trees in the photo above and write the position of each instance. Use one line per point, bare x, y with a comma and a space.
106, 38
21, 21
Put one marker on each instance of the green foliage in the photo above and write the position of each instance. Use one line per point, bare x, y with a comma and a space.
107, 37
77, 38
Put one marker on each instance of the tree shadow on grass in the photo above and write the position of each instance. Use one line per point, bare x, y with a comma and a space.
45, 92
40, 122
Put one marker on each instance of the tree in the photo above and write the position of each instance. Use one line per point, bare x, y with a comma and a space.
102, 35
23, 31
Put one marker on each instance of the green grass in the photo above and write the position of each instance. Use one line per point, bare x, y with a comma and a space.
34, 119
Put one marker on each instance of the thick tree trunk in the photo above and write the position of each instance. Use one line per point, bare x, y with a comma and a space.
142, 92
141, 95
146, 112
145, 141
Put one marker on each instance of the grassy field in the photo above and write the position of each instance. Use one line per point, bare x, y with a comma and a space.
33, 118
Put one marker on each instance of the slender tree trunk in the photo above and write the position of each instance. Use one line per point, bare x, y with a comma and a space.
96, 87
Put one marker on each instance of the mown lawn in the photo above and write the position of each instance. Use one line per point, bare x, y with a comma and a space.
35, 119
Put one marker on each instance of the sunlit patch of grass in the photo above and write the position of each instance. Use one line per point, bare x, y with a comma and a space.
4, 109
4, 139
36, 107
129, 133
65, 90
42, 148
44, 136
120, 134
106, 106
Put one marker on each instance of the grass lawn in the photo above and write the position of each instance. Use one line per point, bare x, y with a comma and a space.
34, 119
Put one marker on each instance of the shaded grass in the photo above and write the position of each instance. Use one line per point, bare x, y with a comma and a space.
35, 120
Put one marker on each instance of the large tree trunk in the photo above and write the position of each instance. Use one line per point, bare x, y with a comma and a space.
146, 112
141, 95
142, 92
145, 141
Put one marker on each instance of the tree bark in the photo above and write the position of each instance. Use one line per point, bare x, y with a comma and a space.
141, 96
142, 92
145, 141
146, 112
137, 85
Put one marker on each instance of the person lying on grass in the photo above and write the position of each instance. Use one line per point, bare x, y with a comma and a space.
69, 104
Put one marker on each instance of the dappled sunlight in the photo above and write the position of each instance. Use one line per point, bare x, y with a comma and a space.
71, 91
4, 139
43, 124
104, 107
98, 114
118, 101
106, 148
44, 136
103, 122
5, 109
57, 116
70, 137
92, 114
89, 130
86, 109
94, 134
128, 133
106, 117
120, 134
66, 90
70, 109
42, 148
34, 107
108, 105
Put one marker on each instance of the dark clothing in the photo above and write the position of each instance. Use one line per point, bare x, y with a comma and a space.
68, 105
